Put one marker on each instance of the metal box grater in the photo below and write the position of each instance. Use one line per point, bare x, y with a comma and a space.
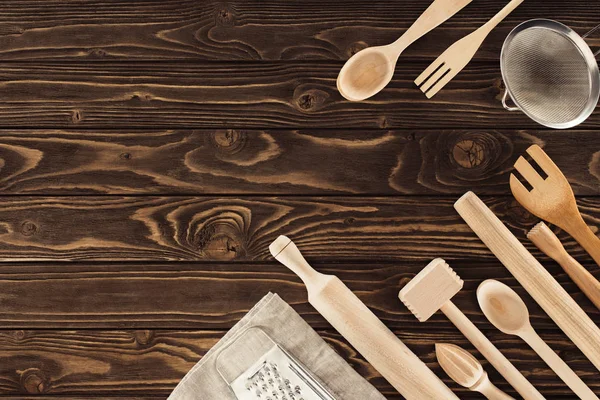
263, 370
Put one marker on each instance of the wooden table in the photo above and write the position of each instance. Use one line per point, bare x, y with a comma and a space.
151, 150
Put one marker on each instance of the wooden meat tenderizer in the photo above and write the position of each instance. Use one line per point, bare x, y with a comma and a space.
545, 240
350, 317
432, 290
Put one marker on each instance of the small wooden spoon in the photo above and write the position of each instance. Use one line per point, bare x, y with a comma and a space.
370, 70
506, 311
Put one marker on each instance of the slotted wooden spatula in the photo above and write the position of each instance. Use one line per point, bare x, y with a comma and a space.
457, 56
552, 199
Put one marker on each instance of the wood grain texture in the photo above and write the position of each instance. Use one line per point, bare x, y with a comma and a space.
153, 103
202, 296
151, 362
230, 161
249, 95
181, 228
249, 30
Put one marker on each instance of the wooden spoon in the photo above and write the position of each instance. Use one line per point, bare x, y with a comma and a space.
370, 70
467, 371
506, 311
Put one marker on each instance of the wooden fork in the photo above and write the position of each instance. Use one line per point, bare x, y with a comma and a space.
457, 56
552, 199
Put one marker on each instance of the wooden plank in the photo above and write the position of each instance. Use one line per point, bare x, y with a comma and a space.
247, 30
150, 228
103, 397
228, 229
147, 362
215, 296
249, 95
228, 161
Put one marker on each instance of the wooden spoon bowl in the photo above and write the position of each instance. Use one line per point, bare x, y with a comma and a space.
366, 73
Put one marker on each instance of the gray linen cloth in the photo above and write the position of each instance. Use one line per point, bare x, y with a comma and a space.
279, 321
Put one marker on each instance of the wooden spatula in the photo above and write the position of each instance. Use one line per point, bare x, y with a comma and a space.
552, 199
457, 56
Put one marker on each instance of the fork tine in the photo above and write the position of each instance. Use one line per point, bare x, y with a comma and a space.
434, 78
428, 71
528, 172
442, 82
518, 189
545, 162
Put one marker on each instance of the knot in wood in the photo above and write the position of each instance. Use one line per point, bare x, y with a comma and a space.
383, 122
310, 100
224, 16
125, 156
229, 141
355, 48
221, 233
519, 215
34, 380
306, 102
143, 337
19, 335
76, 116
97, 53
216, 241
468, 153
28, 228
141, 97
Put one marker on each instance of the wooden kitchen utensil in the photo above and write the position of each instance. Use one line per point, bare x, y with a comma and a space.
538, 282
506, 311
467, 371
371, 69
432, 290
457, 56
543, 237
349, 316
552, 199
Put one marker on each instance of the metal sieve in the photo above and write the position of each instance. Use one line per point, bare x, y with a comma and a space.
550, 73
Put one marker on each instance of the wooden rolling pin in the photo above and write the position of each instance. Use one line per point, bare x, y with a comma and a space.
350, 317
538, 282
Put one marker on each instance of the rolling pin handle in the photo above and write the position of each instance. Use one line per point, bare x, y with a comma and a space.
286, 252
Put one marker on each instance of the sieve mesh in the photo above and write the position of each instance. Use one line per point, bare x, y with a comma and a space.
547, 75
